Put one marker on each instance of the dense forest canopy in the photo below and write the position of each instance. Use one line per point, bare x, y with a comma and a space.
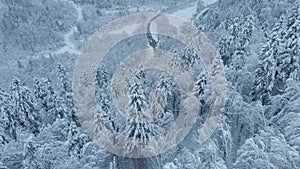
259, 45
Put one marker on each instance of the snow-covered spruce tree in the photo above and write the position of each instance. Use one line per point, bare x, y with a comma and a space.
158, 103
200, 87
17, 113
265, 73
105, 113
137, 97
267, 149
284, 108
209, 156
37, 90
76, 140
163, 102
189, 56
237, 68
248, 30
261, 89
239, 57
137, 126
228, 43
236, 126
288, 62
98, 123
225, 48
225, 141
281, 104
185, 159
276, 44
104, 117
233, 48
51, 145
235, 29
46, 100
242, 43
265, 29
65, 102
29, 153
23, 108
102, 79
166, 86
7, 124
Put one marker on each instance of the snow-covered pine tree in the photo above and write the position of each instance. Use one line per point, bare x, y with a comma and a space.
265, 29
10, 123
234, 29
247, 30
166, 86
102, 78
98, 123
284, 108
64, 99
137, 126
227, 43
76, 141
7, 125
242, 42
225, 141
233, 48
185, 159
159, 110
23, 107
46, 99
237, 125
239, 57
225, 48
261, 89
288, 62
200, 84
158, 103
29, 153
209, 156
105, 117
189, 56
265, 73
105, 112
137, 98
267, 149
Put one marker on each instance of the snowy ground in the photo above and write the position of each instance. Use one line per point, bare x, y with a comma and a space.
208, 2
187, 13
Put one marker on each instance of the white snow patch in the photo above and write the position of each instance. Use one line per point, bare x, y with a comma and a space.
69, 46
79, 12
187, 13
209, 2
128, 29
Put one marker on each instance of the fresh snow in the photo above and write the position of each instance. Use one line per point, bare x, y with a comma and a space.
187, 13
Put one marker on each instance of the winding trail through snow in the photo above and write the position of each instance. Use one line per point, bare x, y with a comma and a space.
69, 46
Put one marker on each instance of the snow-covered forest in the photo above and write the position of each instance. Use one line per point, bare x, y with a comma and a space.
259, 45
